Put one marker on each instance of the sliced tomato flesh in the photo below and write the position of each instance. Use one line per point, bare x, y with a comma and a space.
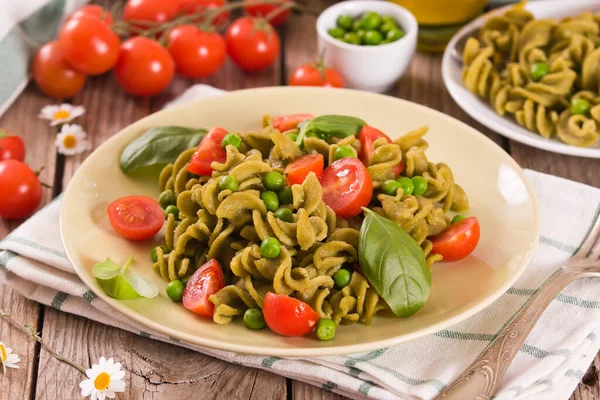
205, 282
458, 240
347, 187
288, 316
298, 170
208, 150
367, 136
136, 217
287, 122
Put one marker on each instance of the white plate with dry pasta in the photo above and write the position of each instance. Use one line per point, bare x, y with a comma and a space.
530, 72
299, 221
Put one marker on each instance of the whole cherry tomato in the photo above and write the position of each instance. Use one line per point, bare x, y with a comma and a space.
288, 316
136, 217
11, 146
197, 54
252, 43
347, 187
88, 45
145, 68
21, 190
95, 11
205, 282
262, 10
458, 240
53, 76
150, 10
316, 74
195, 6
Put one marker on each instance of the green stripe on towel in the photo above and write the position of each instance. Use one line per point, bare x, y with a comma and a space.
58, 300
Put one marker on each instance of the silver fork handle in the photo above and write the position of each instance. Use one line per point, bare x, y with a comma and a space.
480, 380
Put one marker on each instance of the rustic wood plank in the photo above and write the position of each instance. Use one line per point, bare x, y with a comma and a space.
304, 391
589, 388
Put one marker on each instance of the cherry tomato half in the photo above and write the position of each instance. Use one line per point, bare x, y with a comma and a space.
458, 240
136, 217
205, 282
209, 150
89, 45
287, 122
262, 10
288, 316
316, 74
298, 170
197, 54
145, 68
150, 10
347, 187
252, 43
195, 6
21, 190
11, 146
367, 136
53, 76
95, 11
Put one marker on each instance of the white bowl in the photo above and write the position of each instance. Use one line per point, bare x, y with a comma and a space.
370, 68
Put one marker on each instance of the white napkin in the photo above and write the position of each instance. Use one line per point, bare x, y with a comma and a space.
549, 366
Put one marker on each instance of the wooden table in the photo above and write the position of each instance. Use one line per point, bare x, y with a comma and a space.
163, 371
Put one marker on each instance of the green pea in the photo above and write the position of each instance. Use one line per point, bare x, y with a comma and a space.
372, 38
270, 199
167, 198
538, 70
391, 187
175, 290
394, 35
386, 27
388, 19
341, 278
154, 256
253, 318
172, 210
406, 184
228, 182
285, 195
580, 106
345, 21
293, 136
273, 181
343, 152
232, 139
270, 248
457, 218
351, 38
325, 329
336, 32
284, 214
361, 34
370, 20
356, 25
420, 185
185, 280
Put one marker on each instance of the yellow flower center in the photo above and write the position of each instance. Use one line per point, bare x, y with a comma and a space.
70, 141
102, 381
3, 352
61, 114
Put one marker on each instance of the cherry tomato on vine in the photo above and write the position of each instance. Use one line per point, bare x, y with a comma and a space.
136, 217
21, 190
145, 68
197, 54
205, 282
53, 76
195, 6
458, 240
95, 11
11, 146
288, 316
347, 187
150, 10
88, 45
252, 43
316, 74
262, 10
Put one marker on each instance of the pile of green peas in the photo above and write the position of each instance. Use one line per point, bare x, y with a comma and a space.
369, 29
417, 185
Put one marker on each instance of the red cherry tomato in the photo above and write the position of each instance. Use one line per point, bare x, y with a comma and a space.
316, 74
136, 217
298, 170
288, 316
53, 76
287, 122
209, 150
262, 10
21, 190
95, 11
197, 54
150, 10
347, 187
11, 146
195, 6
252, 43
458, 240
205, 282
88, 45
367, 136
145, 68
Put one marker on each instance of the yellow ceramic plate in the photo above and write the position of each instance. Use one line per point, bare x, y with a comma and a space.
499, 194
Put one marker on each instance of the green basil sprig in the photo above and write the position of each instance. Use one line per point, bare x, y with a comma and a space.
121, 283
160, 145
394, 264
326, 126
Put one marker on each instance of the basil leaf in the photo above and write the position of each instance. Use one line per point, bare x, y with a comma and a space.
120, 282
118, 288
394, 264
106, 269
326, 126
160, 145
140, 285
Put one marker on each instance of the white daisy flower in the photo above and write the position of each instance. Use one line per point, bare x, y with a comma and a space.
71, 140
7, 358
105, 379
61, 114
